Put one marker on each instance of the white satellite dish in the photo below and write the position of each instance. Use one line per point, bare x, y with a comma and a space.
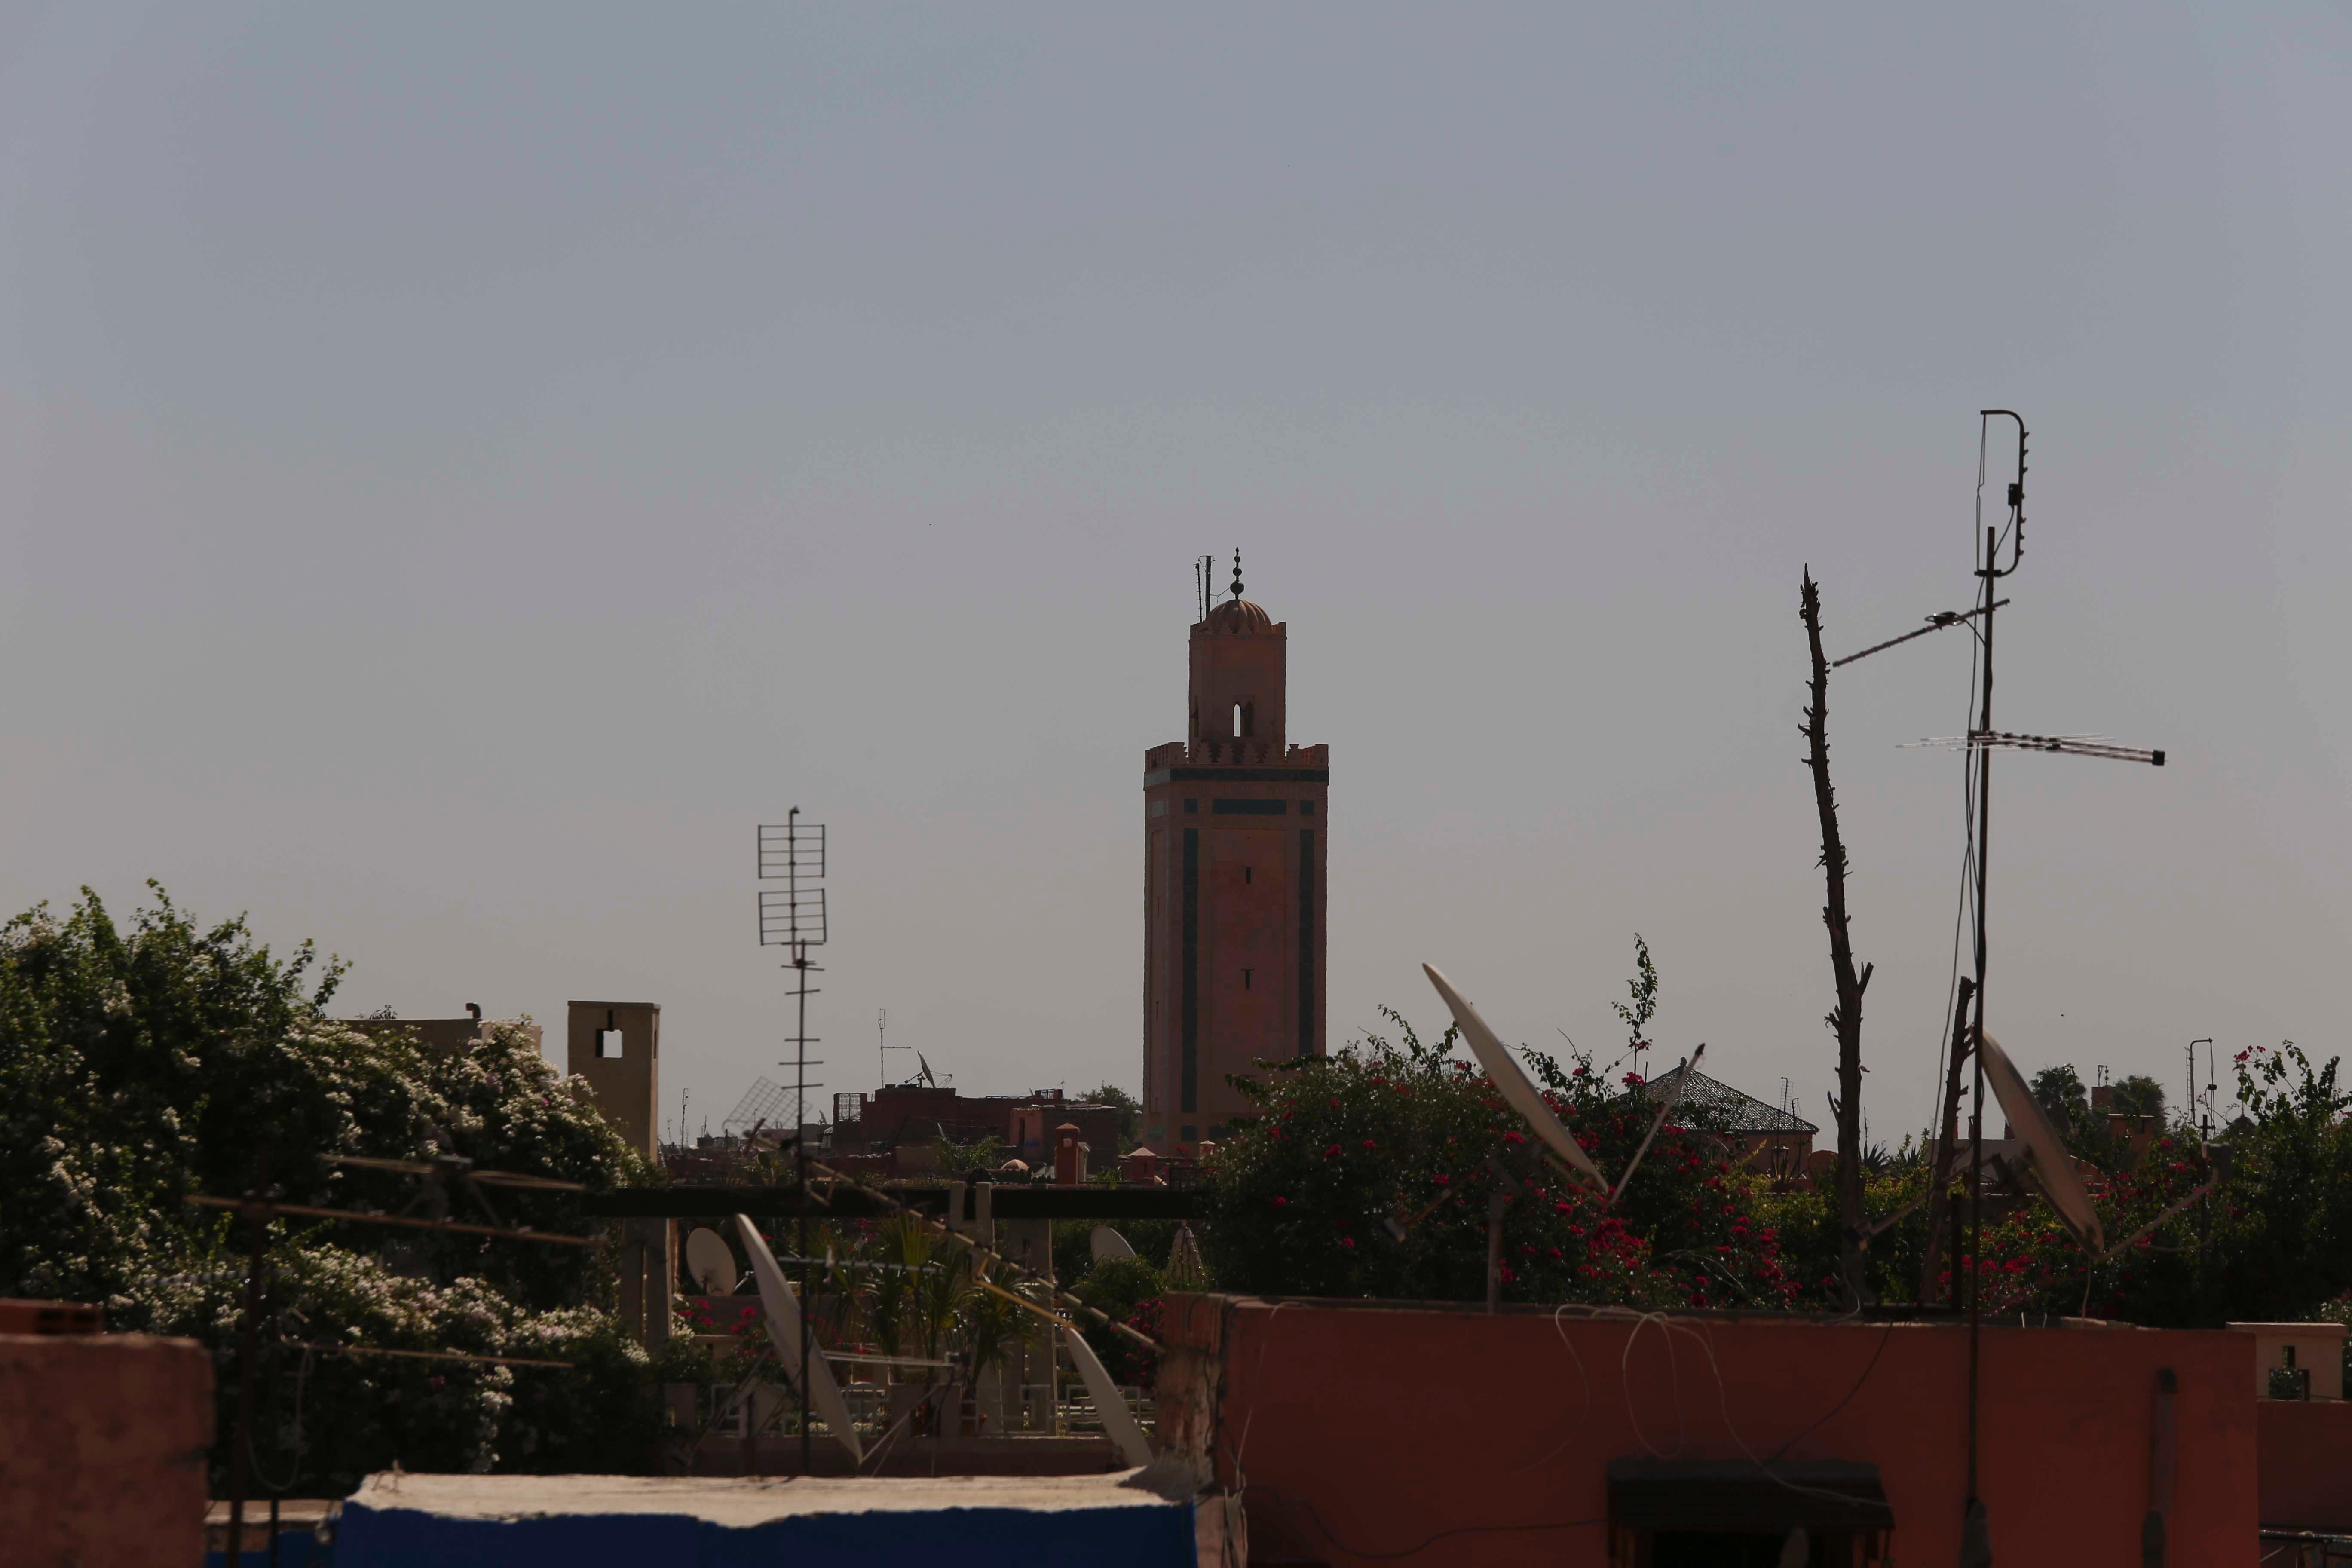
710, 1263
1517, 1090
1105, 1242
783, 1312
1110, 1405
2044, 1151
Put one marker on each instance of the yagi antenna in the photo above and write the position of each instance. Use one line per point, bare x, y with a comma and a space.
2065, 745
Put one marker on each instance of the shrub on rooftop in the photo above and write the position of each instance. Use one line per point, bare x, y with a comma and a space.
141, 1065
1368, 1172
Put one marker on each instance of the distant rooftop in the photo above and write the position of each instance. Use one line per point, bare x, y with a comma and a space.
1741, 1112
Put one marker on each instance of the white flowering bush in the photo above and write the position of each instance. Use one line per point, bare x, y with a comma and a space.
140, 1065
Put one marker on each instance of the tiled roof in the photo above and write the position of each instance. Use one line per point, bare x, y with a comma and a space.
1741, 1112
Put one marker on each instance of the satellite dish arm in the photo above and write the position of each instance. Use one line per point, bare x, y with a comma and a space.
2151, 1226
1873, 1230
1682, 1081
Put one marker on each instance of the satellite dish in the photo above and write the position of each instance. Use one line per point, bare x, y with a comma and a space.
784, 1335
1110, 1405
1105, 1242
2044, 1151
1517, 1090
710, 1263
927, 1074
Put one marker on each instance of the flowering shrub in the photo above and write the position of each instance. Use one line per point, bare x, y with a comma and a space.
1309, 1195
2273, 1243
138, 1067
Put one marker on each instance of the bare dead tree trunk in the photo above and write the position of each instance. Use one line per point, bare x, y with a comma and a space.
1845, 1018
1948, 1132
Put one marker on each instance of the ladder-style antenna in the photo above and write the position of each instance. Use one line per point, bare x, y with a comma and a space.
793, 916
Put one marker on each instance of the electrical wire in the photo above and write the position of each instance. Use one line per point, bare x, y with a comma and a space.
1968, 809
1668, 1326
301, 1377
1866, 1371
1585, 1406
1764, 1467
1674, 1381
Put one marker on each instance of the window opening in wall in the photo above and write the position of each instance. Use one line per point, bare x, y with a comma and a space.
1245, 978
608, 1038
1245, 872
1237, 721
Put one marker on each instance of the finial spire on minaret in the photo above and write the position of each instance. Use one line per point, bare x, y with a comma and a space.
1237, 573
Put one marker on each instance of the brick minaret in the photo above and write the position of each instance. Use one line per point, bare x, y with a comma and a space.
1235, 842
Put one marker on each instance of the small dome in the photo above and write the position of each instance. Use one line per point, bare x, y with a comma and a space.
1239, 616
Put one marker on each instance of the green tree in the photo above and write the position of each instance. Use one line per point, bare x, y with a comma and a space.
2059, 1092
1130, 1114
2138, 1095
954, 1160
1644, 990
140, 1065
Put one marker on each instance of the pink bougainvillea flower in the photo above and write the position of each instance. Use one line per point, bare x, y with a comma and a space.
1332, 1152
1280, 1202
1370, 1144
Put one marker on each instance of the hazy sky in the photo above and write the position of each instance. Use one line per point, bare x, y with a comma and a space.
461, 468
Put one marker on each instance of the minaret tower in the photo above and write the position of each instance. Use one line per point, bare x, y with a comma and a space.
1235, 843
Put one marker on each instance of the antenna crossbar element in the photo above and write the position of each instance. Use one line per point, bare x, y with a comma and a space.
791, 917
1936, 622
792, 849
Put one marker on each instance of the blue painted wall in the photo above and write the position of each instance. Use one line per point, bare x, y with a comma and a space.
1159, 1537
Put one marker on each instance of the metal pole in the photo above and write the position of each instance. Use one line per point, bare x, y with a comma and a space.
1976, 1108
800, 1114
244, 1354
800, 1164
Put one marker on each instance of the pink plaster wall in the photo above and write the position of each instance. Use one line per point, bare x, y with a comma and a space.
1363, 1430
102, 1449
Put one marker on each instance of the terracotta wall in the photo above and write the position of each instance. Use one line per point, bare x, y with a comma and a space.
102, 1449
1365, 1430
2306, 1463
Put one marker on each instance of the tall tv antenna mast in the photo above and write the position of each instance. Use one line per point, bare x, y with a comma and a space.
1975, 1545
792, 916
